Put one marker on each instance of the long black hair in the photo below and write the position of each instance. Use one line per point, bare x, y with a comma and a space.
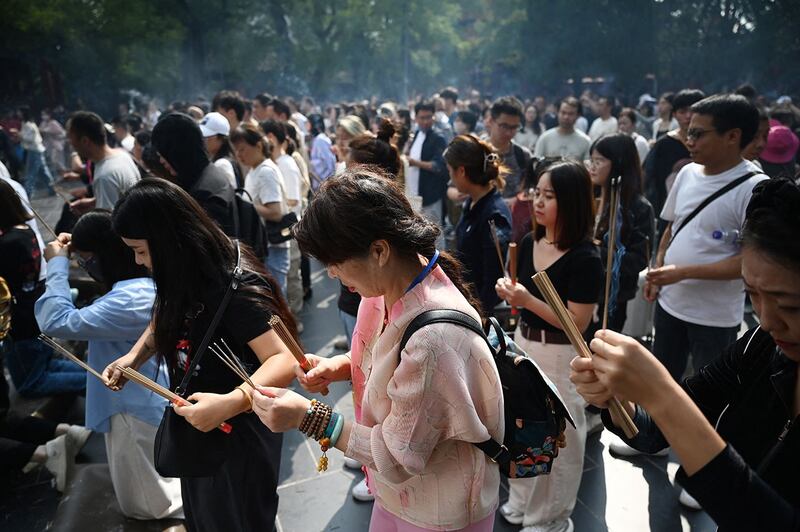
362, 205
12, 210
190, 256
178, 139
621, 150
93, 232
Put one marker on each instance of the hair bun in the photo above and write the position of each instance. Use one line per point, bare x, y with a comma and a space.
781, 196
386, 130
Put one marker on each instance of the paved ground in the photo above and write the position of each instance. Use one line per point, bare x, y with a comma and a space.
616, 495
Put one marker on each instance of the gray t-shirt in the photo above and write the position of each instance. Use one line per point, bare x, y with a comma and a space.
112, 176
553, 144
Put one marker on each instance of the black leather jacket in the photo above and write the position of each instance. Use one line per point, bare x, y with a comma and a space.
748, 395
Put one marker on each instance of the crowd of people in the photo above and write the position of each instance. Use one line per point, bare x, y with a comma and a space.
198, 225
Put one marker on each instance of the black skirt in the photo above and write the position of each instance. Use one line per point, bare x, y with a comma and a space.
243, 495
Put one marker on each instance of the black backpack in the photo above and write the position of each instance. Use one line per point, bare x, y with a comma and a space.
535, 415
248, 226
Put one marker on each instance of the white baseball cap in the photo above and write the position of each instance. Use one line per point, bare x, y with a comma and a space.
214, 124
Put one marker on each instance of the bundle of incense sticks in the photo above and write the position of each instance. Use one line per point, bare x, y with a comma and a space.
496, 240
612, 235
58, 347
512, 267
288, 340
542, 281
225, 354
133, 375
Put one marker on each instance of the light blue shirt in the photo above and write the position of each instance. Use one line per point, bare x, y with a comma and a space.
111, 324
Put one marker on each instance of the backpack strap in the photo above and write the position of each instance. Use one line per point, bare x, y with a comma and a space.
497, 452
727, 188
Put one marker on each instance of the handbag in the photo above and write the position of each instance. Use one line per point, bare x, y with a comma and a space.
535, 413
180, 450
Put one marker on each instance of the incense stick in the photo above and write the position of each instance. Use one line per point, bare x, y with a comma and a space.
294, 348
38, 217
542, 281
58, 347
512, 267
156, 388
496, 239
612, 234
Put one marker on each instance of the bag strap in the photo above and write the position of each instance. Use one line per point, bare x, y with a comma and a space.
497, 452
236, 278
727, 188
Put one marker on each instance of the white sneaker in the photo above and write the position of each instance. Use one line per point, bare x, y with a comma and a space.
352, 463
620, 448
553, 526
59, 461
361, 492
687, 500
511, 515
78, 436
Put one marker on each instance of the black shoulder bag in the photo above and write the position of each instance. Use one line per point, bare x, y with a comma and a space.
180, 450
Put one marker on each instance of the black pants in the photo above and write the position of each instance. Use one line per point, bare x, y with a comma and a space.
19, 438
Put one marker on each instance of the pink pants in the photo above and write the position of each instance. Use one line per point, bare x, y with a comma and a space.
383, 521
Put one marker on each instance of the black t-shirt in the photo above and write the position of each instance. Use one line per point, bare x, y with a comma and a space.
658, 166
243, 320
20, 264
577, 276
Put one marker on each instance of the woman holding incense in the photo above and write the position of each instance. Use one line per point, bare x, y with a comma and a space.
475, 170
191, 261
612, 156
112, 323
561, 244
420, 409
733, 425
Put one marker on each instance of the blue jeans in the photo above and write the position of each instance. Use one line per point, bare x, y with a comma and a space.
675, 339
36, 170
277, 263
349, 322
35, 372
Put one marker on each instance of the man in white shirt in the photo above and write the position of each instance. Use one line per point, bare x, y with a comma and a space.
122, 133
697, 279
36, 168
114, 169
604, 124
564, 140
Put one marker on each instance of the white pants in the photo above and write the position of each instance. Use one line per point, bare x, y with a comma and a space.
141, 492
552, 497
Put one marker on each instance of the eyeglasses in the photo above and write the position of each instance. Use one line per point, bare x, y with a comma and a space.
508, 127
594, 163
695, 134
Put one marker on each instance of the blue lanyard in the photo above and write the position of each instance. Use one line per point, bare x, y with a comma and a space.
424, 272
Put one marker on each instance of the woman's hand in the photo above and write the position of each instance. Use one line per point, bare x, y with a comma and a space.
113, 372
515, 294
208, 410
279, 409
626, 369
587, 384
324, 371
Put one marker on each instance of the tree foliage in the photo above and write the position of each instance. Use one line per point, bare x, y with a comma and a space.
90, 50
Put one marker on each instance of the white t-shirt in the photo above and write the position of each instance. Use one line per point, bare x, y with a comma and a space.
602, 127
642, 146
581, 124
706, 302
112, 176
412, 176
291, 180
673, 124
264, 184
227, 167
553, 144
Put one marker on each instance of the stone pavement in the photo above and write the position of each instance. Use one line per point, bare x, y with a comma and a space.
618, 495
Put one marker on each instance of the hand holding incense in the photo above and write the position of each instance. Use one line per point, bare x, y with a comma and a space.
288, 340
226, 355
542, 281
170, 396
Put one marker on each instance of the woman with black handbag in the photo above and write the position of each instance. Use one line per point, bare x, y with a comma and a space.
228, 481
